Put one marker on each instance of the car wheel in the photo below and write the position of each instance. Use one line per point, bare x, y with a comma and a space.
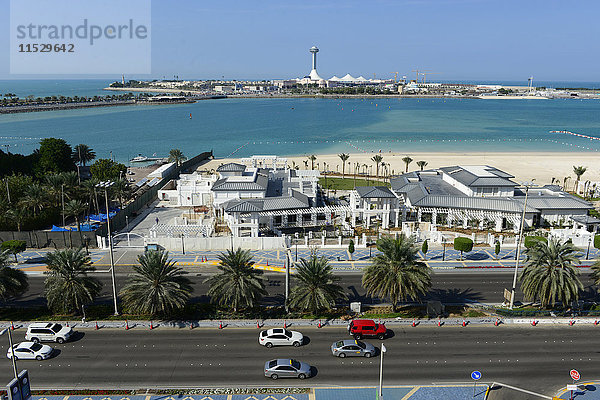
268, 345
39, 358
342, 355
296, 344
368, 355
301, 376
357, 336
60, 340
274, 377
35, 340
381, 336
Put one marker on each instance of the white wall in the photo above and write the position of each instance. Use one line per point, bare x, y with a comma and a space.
221, 243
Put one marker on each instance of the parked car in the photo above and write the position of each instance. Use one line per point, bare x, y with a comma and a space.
352, 348
360, 328
287, 368
30, 351
48, 332
280, 337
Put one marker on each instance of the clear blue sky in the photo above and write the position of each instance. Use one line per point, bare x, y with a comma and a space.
553, 40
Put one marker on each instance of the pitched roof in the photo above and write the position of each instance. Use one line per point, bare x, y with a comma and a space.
476, 203
555, 202
375, 192
231, 167
243, 206
223, 185
474, 176
295, 201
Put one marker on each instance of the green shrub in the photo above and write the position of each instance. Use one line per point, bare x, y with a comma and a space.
531, 241
597, 241
463, 244
13, 247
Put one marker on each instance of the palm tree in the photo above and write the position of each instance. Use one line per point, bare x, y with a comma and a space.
238, 284
397, 272
68, 287
13, 282
121, 190
176, 156
550, 275
344, 157
18, 215
89, 190
422, 164
82, 154
34, 198
55, 187
596, 272
316, 289
377, 159
157, 286
407, 160
312, 159
566, 178
578, 171
74, 208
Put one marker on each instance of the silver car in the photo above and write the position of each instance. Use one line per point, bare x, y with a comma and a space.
287, 368
352, 348
280, 337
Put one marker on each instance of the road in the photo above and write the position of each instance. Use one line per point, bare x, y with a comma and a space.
533, 357
448, 287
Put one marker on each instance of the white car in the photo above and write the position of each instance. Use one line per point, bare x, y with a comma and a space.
280, 337
30, 351
48, 332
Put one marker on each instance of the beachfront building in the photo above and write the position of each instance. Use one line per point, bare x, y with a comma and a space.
482, 197
378, 204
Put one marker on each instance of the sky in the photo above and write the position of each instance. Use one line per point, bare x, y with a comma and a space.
552, 40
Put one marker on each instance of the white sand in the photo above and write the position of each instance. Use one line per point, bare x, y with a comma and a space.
524, 166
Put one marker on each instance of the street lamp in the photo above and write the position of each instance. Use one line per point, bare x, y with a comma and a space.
106, 185
514, 286
10, 345
444, 248
587, 255
383, 350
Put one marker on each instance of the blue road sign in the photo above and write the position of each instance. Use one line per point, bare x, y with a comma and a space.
476, 375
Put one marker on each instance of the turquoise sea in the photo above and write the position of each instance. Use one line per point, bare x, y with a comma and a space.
244, 127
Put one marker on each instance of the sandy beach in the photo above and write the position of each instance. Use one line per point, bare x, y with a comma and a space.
524, 166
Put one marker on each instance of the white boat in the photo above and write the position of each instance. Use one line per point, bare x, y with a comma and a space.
139, 158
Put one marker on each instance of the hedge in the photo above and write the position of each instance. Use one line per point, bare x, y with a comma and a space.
531, 241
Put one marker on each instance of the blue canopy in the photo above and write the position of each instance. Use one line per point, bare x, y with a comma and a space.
58, 229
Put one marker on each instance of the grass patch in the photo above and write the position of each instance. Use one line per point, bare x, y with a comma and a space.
348, 183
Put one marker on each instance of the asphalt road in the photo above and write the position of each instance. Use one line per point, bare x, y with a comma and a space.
533, 357
448, 287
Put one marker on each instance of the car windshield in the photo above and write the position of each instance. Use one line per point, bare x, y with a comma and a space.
295, 364
339, 344
56, 328
35, 347
361, 345
288, 334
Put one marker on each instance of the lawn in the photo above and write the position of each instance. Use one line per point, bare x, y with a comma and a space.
348, 183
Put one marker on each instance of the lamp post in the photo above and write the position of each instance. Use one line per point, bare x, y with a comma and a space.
383, 350
587, 255
106, 185
10, 344
514, 286
444, 248
182, 244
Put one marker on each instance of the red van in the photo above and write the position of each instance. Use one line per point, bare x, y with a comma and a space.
360, 328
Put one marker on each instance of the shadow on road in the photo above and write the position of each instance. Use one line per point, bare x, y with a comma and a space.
77, 336
454, 295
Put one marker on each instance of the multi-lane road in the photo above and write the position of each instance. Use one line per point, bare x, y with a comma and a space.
533, 357
447, 286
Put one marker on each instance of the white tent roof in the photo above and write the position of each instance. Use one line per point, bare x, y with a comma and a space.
348, 77
361, 78
334, 78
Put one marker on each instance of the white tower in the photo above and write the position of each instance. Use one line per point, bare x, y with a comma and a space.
314, 76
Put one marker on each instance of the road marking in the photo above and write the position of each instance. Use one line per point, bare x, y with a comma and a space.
409, 394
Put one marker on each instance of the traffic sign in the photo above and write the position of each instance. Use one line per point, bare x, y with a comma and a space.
575, 375
476, 375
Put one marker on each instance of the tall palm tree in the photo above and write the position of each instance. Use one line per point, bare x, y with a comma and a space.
74, 208
13, 282
312, 158
596, 273
55, 183
121, 190
550, 275
157, 286
344, 157
238, 285
578, 171
83, 154
377, 159
565, 179
89, 190
68, 287
17, 215
317, 288
34, 198
407, 160
422, 164
176, 156
397, 273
